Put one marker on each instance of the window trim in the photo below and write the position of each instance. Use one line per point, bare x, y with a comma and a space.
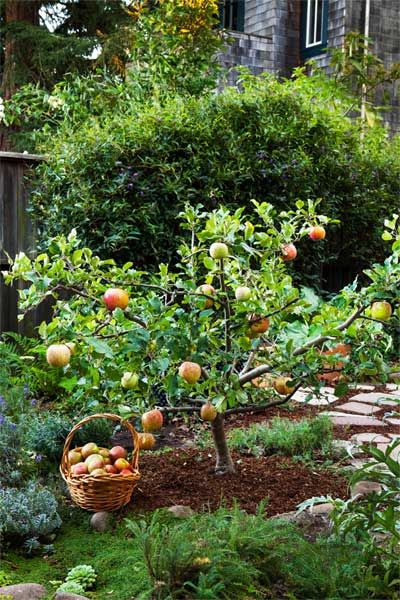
315, 48
240, 14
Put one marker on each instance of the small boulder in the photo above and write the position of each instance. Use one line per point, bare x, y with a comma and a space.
23, 591
68, 596
180, 512
361, 488
100, 521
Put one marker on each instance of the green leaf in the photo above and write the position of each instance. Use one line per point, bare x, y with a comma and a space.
100, 347
341, 389
68, 383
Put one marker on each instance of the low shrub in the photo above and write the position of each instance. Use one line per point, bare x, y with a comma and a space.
283, 436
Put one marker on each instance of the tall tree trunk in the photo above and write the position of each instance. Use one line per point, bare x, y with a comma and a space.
224, 463
15, 11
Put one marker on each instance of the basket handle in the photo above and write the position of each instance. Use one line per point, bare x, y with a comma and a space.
135, 455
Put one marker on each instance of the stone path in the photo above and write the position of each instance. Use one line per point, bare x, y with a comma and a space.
366, 408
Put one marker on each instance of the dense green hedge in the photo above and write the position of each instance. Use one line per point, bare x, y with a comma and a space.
121, 180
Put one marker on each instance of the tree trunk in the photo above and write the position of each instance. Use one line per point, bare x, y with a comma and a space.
224, 463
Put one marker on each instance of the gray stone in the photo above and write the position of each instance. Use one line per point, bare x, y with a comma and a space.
100, 521
338, 418
180, 512
361, 488
359, 408
342, 447
68, 596
323, 509
369, 438
392, 420
23, 591
376, 398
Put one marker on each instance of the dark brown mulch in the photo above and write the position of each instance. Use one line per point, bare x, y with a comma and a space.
188, 478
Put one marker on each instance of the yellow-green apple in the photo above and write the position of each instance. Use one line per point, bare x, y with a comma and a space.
118, 452
104, 452
207, 290
79, 469
58, 355
95, 461
88, 449
219, 250
74, 457
258, 324
190, 371
208, 412
289, 252
121, 463
147, 441
282, 387
317, 233
129, 380
116, 298
381, 310
97, 472
152, 420
242, 293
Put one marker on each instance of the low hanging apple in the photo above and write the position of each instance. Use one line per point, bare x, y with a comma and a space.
281, 386
190, 371
317, 233
257, 324
242, 293
289, 252
129, 380
207, 290
116, 298
147, 441
382, 311
152, 420
208, 412
58, 355
219, 250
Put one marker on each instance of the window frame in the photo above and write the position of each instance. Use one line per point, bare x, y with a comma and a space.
315, 48
228, 4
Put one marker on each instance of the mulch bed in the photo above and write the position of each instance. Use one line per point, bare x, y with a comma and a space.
188, 478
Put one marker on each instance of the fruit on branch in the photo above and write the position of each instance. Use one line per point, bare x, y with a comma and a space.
317, 233
282, 387
58, 355
74, 457
118, 452
147, 441
152, 420
208, 412
116, 298
207, 290
219, 250
190, 371
242, 293
289, 252
129, 380
258, 324
121, 463
80, 469
382, 311
88, 449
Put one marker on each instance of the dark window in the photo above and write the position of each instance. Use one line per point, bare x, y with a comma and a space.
232, 15
314, 27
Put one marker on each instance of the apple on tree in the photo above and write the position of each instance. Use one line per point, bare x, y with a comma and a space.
289, 252
219, 250
242, 293
152, 420
382, 311
129, 380
317, 233
190, 371
116, 298
282, 387
58, 355
207, 290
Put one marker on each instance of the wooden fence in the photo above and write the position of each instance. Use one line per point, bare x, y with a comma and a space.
17, 233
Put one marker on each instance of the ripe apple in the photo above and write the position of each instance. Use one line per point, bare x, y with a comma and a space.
58, 355
190, 371
208, 412
317, 233
99, 471
104, 452
89, 449
147, 441
152, 420
95, 461
282, 387
258, 324
74, 457
242, 293
289, 252
110, 469
121, 463
219, 250
126, 472
118, 452
116, 298
381, 310
129, 380
207, 290
79, 469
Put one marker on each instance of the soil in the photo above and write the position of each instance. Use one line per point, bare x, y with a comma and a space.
187, 477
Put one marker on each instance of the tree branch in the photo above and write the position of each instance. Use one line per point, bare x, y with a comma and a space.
261, 407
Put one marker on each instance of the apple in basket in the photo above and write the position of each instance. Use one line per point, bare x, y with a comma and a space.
121, 463
126, 472
89, 449
80, 469
111, 469
97, 472
118, 452
74, 457
95, 461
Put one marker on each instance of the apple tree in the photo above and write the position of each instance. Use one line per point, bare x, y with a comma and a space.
224, 331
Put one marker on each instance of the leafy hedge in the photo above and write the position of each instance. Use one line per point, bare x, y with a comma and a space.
122, 178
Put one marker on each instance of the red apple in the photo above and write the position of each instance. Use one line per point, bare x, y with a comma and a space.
58, 355
190, 371
207, 290
89, 449
219, 250
289, 252
79, 469
208, 412
317, 233
121, 463
258, 324
147, 441
381, 310
152, 420
110, 469
74, 457
118, 452
116, 298
126, 472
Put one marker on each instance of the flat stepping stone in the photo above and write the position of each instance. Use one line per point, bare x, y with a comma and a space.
367, 388
369, 438
393, 420
361, 488
393, 387
376, 398
339, 418
394, 436
359, 407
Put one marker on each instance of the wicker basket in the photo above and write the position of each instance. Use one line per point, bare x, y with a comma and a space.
102, 492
